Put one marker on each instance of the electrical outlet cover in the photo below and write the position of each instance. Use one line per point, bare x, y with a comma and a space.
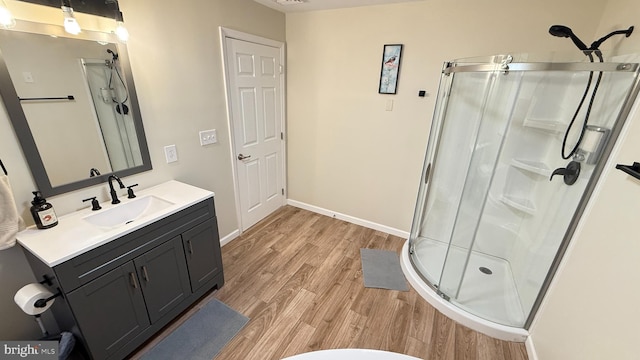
170, 153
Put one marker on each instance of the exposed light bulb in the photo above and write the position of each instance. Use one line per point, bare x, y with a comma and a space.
7, 20
121, 32
71, 26
70, 23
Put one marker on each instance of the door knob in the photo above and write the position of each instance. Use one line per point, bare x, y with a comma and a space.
242, 157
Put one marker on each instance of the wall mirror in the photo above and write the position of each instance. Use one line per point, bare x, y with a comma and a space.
72, 103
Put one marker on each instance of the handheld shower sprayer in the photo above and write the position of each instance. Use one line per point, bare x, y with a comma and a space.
566, 32
121, 107
114, 55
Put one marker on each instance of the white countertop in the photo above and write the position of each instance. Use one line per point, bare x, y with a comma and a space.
74, 236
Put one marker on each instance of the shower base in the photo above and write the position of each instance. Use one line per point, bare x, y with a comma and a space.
487, 290
483, 298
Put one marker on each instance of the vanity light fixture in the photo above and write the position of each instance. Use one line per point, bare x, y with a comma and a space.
121, 32
7, 21
70, 23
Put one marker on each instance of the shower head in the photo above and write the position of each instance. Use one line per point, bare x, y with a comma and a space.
565, 31
596, 44
114, 55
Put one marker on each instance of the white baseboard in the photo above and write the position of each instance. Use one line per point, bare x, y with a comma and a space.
531, 350
351, 219
227, 239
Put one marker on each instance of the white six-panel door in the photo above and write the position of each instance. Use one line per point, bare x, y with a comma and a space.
256, 116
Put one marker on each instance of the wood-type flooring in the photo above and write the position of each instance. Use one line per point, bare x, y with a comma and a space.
297, 275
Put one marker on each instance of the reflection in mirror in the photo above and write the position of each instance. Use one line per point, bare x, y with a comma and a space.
72, 103
109, 98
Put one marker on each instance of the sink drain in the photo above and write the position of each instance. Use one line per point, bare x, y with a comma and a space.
485, 270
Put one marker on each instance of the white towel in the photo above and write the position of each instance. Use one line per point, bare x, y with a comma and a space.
10, 221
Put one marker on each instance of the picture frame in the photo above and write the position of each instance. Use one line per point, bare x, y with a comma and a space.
390, 68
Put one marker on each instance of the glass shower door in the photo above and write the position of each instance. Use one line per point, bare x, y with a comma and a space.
495, 112
489, 225
447, 163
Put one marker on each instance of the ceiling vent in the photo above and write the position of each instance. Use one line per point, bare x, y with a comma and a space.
290, 2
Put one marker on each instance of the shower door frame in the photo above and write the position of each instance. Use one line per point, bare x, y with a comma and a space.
438, 121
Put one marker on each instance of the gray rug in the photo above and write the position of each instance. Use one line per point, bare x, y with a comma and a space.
202, 336
381, 269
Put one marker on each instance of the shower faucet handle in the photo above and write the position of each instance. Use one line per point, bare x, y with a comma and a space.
570, 173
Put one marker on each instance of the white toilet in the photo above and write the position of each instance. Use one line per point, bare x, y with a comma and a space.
351, 354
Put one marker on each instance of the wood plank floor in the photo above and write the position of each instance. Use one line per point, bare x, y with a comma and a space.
297, 275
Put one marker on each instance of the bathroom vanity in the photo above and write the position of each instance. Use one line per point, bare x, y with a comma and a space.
126, 271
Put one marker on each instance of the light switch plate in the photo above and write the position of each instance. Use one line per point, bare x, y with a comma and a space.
170, 153
208, 137
389, 106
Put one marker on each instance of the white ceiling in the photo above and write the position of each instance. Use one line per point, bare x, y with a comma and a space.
311, 5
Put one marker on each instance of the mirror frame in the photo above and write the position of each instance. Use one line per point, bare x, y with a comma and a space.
21, 126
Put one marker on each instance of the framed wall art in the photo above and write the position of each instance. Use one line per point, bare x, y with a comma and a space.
391, 56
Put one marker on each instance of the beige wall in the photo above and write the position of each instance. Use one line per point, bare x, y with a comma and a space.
176, 63
346, 153
592, 309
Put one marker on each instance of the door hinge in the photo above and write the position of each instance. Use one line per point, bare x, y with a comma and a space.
281, 136
446, 68
281, 68
282, 191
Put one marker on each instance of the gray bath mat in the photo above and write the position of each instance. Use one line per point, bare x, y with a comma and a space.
381, 269
202, 336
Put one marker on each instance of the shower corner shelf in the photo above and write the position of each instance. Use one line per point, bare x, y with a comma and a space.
536, 167
524, 205
551, 126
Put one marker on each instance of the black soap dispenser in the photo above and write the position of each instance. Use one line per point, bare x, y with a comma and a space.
42, 212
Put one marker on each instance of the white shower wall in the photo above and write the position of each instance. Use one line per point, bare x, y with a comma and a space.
531, 261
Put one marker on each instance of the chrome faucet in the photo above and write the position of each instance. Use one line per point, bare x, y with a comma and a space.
112, 191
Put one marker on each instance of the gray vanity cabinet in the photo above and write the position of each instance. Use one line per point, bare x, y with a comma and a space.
118, 295
116, 307
162, 273
110, 309
201, 255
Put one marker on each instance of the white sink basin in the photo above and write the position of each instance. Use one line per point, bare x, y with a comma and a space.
128, 212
